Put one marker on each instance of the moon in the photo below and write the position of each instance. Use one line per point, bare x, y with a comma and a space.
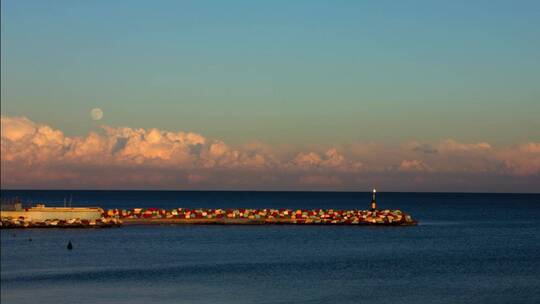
96, 114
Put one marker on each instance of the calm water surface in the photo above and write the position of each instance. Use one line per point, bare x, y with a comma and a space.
469, 248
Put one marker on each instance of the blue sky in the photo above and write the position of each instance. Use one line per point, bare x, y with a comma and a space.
294, 75
279, 72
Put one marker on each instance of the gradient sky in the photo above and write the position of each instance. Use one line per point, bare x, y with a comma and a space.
294, 75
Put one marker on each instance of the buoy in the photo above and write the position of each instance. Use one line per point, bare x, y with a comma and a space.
29, 239
69, 246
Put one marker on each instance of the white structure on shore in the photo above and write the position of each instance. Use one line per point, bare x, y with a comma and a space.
41, 213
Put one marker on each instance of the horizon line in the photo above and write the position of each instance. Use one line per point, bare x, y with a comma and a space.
237, 190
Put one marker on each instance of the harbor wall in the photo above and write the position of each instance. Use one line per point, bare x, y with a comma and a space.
262, 216
53, 215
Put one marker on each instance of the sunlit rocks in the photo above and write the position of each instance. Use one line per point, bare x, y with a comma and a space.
262, 216
105, 222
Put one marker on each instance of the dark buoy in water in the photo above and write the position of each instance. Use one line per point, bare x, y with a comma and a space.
29, 239
69, 246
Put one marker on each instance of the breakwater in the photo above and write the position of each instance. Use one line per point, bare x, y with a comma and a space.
21, 222
262, 216
53, 218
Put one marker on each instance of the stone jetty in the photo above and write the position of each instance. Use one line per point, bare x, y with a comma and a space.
239, 216
21, 222
39, 217
242, 216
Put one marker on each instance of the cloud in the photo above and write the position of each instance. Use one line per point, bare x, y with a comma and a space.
331, 159
38, 155
422, 148
523, 160
320, 180
453, 145
413, 166
196, 178
530, 148
17, 128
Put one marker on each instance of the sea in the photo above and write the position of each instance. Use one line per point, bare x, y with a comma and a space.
467, 248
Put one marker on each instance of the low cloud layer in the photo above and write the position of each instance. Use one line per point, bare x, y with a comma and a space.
35, 155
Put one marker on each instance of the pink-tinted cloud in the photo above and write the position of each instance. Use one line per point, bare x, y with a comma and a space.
320, 180
413, 165
453, 145
38, 155
329, 160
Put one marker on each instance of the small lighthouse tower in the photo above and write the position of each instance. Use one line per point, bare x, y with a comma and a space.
373, 201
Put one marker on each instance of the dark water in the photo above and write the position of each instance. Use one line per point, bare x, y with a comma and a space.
469, 248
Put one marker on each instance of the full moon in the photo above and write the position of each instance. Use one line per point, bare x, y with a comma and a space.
96, 114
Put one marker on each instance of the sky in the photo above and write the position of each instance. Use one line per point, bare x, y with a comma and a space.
274, 95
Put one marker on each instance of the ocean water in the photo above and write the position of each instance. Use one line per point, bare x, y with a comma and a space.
468, 248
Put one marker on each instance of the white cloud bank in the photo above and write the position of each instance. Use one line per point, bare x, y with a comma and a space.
37, 155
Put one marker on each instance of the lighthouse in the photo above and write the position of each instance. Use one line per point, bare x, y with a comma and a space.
373, 201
